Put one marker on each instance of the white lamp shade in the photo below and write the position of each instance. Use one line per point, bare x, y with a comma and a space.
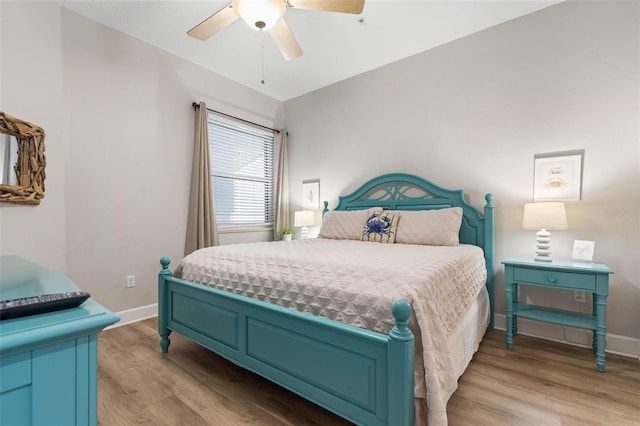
304, 218
545, 215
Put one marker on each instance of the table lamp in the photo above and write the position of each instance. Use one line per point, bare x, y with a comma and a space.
544, 216
303, 219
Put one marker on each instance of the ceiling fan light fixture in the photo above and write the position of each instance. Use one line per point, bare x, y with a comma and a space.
260, 14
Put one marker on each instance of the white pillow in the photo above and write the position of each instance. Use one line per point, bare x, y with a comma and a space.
344, 224
429, 227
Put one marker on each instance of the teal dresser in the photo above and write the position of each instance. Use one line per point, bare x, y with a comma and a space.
560, 275
48, 362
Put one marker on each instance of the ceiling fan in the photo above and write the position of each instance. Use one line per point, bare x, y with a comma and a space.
268, 15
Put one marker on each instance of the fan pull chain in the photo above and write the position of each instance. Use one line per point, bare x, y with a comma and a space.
262, 57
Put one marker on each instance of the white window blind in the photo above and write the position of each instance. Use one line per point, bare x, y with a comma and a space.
241, 172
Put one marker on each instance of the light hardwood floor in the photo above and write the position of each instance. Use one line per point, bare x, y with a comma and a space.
537, 383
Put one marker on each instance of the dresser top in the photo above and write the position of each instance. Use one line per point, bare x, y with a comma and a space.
562, 264
22, 278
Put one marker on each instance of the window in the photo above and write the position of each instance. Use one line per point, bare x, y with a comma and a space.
241, 172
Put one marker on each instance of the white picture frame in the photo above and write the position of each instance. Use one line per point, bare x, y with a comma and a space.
311, 194
557, 177
583, 250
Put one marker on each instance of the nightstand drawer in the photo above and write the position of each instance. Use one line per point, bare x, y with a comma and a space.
555, 279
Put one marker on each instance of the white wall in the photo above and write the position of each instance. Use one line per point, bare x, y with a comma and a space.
130, 129
119, 125
471, 114
31, 89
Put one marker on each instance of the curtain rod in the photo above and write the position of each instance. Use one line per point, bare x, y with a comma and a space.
196, 106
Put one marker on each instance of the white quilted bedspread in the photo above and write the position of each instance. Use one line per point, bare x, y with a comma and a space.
356, 283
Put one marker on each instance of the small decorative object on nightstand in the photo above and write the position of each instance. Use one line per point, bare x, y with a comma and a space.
562, 275
543, 216
303, 219
286, 234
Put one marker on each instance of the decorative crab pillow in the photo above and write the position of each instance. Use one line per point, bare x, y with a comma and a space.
344, 224
430, 227
380, 227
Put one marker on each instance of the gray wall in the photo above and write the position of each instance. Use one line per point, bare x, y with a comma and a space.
471, 114
119, 124
31, 89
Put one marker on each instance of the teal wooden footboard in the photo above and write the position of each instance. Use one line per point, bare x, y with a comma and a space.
363, 376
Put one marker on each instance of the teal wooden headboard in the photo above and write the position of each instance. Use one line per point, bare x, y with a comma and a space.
403, 191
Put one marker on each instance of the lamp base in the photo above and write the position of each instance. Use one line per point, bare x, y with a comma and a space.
543, 258
543, 246
304, 233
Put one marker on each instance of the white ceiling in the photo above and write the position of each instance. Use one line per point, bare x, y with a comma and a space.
336, 46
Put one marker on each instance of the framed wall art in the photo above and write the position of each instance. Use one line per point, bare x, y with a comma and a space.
583, 250
311, 194
558, 176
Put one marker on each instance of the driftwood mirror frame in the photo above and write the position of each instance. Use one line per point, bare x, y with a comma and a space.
30, 166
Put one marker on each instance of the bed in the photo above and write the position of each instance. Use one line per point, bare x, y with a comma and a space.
370, 358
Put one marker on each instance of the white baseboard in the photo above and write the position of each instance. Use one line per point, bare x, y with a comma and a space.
136, 314
619, 345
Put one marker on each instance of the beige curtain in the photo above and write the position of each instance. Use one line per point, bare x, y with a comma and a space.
201, 224
282, 189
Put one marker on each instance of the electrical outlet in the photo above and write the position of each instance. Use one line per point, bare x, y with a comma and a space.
579, 296
131, 281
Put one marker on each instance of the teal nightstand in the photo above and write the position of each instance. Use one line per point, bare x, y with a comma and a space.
562, 275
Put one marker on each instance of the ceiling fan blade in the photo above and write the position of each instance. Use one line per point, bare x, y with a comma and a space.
344, 6
285, 40
213, 23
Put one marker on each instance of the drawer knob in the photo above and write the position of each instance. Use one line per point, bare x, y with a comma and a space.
551, 278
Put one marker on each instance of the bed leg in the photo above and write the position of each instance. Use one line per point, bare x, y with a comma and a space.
489, 254
163, 330
401, 345
165, 342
